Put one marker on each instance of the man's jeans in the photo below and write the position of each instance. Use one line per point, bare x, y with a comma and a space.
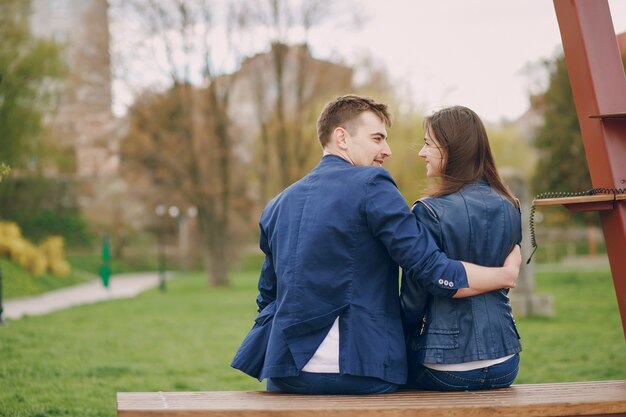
314, 383
500, 375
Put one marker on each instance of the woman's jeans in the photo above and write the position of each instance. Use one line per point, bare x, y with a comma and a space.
500, 375
314, 383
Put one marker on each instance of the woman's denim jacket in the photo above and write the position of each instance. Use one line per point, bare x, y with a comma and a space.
478, 225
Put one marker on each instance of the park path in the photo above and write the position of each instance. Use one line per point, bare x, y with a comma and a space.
120, 286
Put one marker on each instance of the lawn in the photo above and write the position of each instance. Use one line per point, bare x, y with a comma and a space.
584, 341
72, 363
17, 282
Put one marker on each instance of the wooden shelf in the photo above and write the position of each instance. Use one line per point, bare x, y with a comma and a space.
596, 202
619, 115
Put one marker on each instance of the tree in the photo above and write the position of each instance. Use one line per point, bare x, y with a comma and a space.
31, 75
29, 68
562, 162
293, 86
510, 149
285, 147
562, 165
4, 170
182, 139
193, 139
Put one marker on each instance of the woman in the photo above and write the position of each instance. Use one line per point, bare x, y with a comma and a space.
469, 343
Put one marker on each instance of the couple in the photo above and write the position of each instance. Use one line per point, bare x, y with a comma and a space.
330, 320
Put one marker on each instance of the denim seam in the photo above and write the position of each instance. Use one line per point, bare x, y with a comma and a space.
439, 381
514, 371
479, 380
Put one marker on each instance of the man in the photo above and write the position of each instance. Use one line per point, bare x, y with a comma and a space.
329, 317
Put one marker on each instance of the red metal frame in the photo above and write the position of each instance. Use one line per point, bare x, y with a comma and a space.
597, 78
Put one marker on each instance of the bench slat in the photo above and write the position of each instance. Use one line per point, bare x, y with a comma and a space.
560, 399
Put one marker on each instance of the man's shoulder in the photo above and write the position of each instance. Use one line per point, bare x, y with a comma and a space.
373, 174
346, 180
348, 174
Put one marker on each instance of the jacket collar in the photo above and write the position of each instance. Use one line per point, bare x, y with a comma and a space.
333, 159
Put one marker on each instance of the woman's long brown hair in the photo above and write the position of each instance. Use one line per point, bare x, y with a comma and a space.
467, 156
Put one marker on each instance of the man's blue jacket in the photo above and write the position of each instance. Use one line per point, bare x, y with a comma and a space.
333, 242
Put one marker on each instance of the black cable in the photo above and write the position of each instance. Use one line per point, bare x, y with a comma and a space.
561, 194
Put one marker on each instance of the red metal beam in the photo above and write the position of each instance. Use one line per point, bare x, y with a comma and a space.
599, 86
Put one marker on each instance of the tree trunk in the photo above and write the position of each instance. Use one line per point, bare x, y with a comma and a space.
279, 52
215, 249
217, 265
592, 241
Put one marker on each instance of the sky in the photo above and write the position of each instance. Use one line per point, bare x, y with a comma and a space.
483, 54
477, 53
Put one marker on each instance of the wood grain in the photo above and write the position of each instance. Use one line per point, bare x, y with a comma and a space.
579, 199
560, 399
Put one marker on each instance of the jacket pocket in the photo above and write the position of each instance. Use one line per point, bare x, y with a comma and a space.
266, 314
440, 339
250, 357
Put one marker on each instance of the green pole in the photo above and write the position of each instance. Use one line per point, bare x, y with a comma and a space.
105, 269
1, 308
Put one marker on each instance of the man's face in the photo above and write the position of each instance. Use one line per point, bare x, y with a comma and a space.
368, 145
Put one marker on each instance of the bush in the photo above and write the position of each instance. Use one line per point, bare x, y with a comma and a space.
44, 207
49, 256
38, 225
52, 248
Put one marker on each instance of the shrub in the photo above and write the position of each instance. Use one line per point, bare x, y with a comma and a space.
49, 256
52, 248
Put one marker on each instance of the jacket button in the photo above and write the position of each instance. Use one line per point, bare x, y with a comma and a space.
451, 284
440, 281
445, 282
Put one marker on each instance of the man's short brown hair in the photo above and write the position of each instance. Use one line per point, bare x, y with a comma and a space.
343, 111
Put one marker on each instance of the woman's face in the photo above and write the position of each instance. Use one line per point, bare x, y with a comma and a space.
433, 155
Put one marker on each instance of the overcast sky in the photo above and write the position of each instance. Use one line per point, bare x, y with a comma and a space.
475, 53
469, 52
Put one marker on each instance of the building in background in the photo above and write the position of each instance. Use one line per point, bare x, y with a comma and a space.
83, 124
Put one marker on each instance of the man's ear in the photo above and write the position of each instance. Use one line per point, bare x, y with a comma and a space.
341, 138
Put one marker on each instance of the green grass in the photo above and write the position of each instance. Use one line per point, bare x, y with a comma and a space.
555, 251
584, 341
91, 262
17, 282
72, 362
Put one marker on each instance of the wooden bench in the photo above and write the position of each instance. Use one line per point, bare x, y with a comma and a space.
596, 399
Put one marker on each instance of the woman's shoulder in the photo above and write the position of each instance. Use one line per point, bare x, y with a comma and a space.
484, 192
473, 195
441, 202
437, 207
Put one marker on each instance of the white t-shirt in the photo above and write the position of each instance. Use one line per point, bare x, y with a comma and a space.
466, 366
326, 357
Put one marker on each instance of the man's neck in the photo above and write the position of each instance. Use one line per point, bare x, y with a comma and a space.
339, 154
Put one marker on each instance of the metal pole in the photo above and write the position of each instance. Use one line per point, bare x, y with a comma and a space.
183, 241
1, 308
161, 260
160, 211
596, 75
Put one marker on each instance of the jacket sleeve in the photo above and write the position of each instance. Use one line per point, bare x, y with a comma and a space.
426, 216
414, 299
407, 241
267, 279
